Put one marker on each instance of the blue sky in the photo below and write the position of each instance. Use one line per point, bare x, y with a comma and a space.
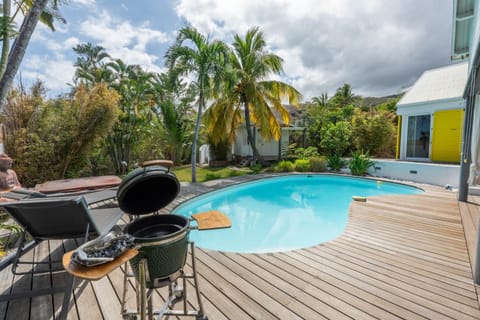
380, 47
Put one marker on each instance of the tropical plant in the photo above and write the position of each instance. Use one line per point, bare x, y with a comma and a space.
91, 67
374, 132
344, 96
12, 57
284, 166
194, 54
249, 95
302, 165
50, 140
335, 162
306, 153
174, 99
320, 101
336, 138
136, 111
318, 164
359, 163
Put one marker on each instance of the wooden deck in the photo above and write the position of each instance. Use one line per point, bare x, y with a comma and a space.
401, 257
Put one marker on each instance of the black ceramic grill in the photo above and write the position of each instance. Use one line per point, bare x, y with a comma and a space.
162, 238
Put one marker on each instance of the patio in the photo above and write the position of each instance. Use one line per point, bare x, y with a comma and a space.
401, 257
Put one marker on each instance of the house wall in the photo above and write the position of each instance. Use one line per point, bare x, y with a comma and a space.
268, 149
428, 109
431, 173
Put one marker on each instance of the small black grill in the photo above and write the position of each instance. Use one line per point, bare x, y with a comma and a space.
162, 239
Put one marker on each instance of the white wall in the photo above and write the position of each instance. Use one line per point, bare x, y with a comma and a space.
431, 173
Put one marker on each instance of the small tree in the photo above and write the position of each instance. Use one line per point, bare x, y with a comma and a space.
336, 138
373, 132
51, 140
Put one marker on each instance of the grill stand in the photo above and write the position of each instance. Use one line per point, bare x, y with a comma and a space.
175, 293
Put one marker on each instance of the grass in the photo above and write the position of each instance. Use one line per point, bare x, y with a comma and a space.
184, 174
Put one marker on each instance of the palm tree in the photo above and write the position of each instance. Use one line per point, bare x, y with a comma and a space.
90, 65
194, 54
11, 58
321, 101
174, 99
344, 96
249, 95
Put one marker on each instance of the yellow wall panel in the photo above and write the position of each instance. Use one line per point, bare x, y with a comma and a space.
447, 135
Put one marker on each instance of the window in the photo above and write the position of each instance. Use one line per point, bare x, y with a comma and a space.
418, 136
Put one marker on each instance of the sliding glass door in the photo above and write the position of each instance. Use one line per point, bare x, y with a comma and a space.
418, 137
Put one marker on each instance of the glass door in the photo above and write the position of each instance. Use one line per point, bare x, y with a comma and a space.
418, 137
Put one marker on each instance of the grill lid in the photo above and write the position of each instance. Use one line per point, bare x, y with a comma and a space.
146, 190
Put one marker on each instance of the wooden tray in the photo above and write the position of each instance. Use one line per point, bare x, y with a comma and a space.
212, 220
95, 272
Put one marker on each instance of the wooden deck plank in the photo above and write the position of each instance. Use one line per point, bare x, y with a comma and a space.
20, 308
43, 305
424, 295
407, 261
286, 295
396, 271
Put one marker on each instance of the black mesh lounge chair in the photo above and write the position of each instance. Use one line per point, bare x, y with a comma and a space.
56, 218
59, 218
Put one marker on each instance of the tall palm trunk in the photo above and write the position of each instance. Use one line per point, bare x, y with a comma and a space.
250, 138
195, 137
19, 48
5, 37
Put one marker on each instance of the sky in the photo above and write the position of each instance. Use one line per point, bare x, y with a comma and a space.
379, 47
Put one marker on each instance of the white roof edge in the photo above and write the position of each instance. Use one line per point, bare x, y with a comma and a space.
438, 84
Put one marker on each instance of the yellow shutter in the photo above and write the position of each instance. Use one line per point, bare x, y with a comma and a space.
447, 135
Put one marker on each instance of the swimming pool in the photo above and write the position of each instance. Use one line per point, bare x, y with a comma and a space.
283, 213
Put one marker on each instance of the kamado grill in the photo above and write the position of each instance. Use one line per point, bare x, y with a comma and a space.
161, 240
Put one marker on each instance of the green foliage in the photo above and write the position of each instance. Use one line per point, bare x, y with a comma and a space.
306, 153
335, 162
336, 138
249, 96
53, 140
212, 176
374, 132
389, 106
359, 163
219, 150
284, 166
318, 164
256, 168
174, 116
184, 173
302, 165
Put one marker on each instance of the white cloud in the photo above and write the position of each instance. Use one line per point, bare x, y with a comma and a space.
124, 40
376, 46
55, 71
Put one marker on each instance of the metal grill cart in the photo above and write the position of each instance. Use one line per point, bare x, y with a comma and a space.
161, 242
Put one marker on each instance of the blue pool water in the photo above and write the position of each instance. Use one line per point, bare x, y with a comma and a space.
283, 213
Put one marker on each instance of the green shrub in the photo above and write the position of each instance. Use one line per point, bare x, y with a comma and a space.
335, 162
307, 153
212, 176
318, 164
257, 168
302, 165
336, 138
284, 166
359, 163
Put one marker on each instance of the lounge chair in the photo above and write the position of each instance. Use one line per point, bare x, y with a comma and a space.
56, 218
59, 218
